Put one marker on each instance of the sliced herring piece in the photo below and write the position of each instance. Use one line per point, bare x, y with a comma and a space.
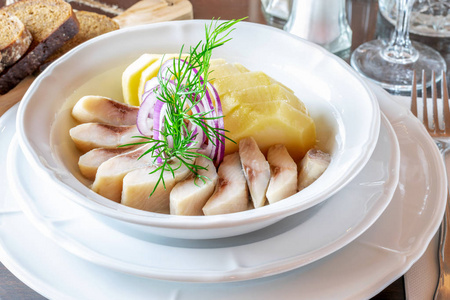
98, 109
110, 174
231, 193
311, 167
256, 170
91, 160
190, 195
88, 136
283, 174
138, 185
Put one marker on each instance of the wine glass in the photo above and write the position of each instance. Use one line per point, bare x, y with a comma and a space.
392, 64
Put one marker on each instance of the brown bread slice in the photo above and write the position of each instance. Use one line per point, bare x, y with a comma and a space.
91, 25
51, 23
14, 39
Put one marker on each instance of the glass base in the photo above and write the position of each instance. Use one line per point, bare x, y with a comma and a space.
369, 62
274, 21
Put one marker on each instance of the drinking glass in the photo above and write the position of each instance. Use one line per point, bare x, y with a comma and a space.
323, 22
391, 64
276, 12
428, 17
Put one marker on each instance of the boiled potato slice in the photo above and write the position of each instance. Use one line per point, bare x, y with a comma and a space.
270, 123
241, 68
273, 92
216, 62
223, 70
132, 75
152, 70
241, 81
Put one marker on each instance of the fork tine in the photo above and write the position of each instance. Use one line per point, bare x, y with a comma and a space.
425, 103
414, 95
444, 93
435, 105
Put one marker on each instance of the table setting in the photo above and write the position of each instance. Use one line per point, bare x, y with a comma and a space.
370, 227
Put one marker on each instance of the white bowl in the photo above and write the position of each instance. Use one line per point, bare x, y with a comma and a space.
346, 113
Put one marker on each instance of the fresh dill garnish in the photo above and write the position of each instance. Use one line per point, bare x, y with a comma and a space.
183, 86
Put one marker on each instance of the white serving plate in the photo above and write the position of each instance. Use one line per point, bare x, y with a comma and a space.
358, 271
345, 111
275, 249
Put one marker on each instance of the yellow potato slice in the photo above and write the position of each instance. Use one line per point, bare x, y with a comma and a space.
223, 70
270, 123
151, 71
273, 92
132, 75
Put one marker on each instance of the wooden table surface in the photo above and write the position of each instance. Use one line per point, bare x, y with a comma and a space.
366, 24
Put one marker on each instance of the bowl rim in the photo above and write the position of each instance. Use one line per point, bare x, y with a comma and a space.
131, 215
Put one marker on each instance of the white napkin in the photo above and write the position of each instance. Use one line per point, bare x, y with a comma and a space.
421, 279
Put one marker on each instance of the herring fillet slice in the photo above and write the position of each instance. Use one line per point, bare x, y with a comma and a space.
98, 109
139, 184
89, 162
88, 136
231, 193
256, 170
110, 174
283, 170
312, 167
190, 195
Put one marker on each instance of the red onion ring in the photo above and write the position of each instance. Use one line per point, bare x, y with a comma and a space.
208, 106
145, 111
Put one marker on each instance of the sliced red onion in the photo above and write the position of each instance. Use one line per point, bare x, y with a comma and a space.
199, 137
165, 68
158, 123
209, 106
170, 141
209, 149
220, 124
158, 118
144, 112
158, 115
151, 84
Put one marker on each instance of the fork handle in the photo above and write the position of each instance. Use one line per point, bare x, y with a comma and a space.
443, 287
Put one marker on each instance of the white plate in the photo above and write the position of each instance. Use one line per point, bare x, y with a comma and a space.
275, 249
344, 109
358, 271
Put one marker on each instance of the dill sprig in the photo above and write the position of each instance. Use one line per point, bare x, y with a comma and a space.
180, 89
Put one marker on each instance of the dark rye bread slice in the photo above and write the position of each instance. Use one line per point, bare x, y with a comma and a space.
14, 39
51, 23
91, 25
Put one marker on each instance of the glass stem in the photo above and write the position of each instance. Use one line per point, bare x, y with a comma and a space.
400, 49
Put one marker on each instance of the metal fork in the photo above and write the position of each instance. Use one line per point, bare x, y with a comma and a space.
440, 132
